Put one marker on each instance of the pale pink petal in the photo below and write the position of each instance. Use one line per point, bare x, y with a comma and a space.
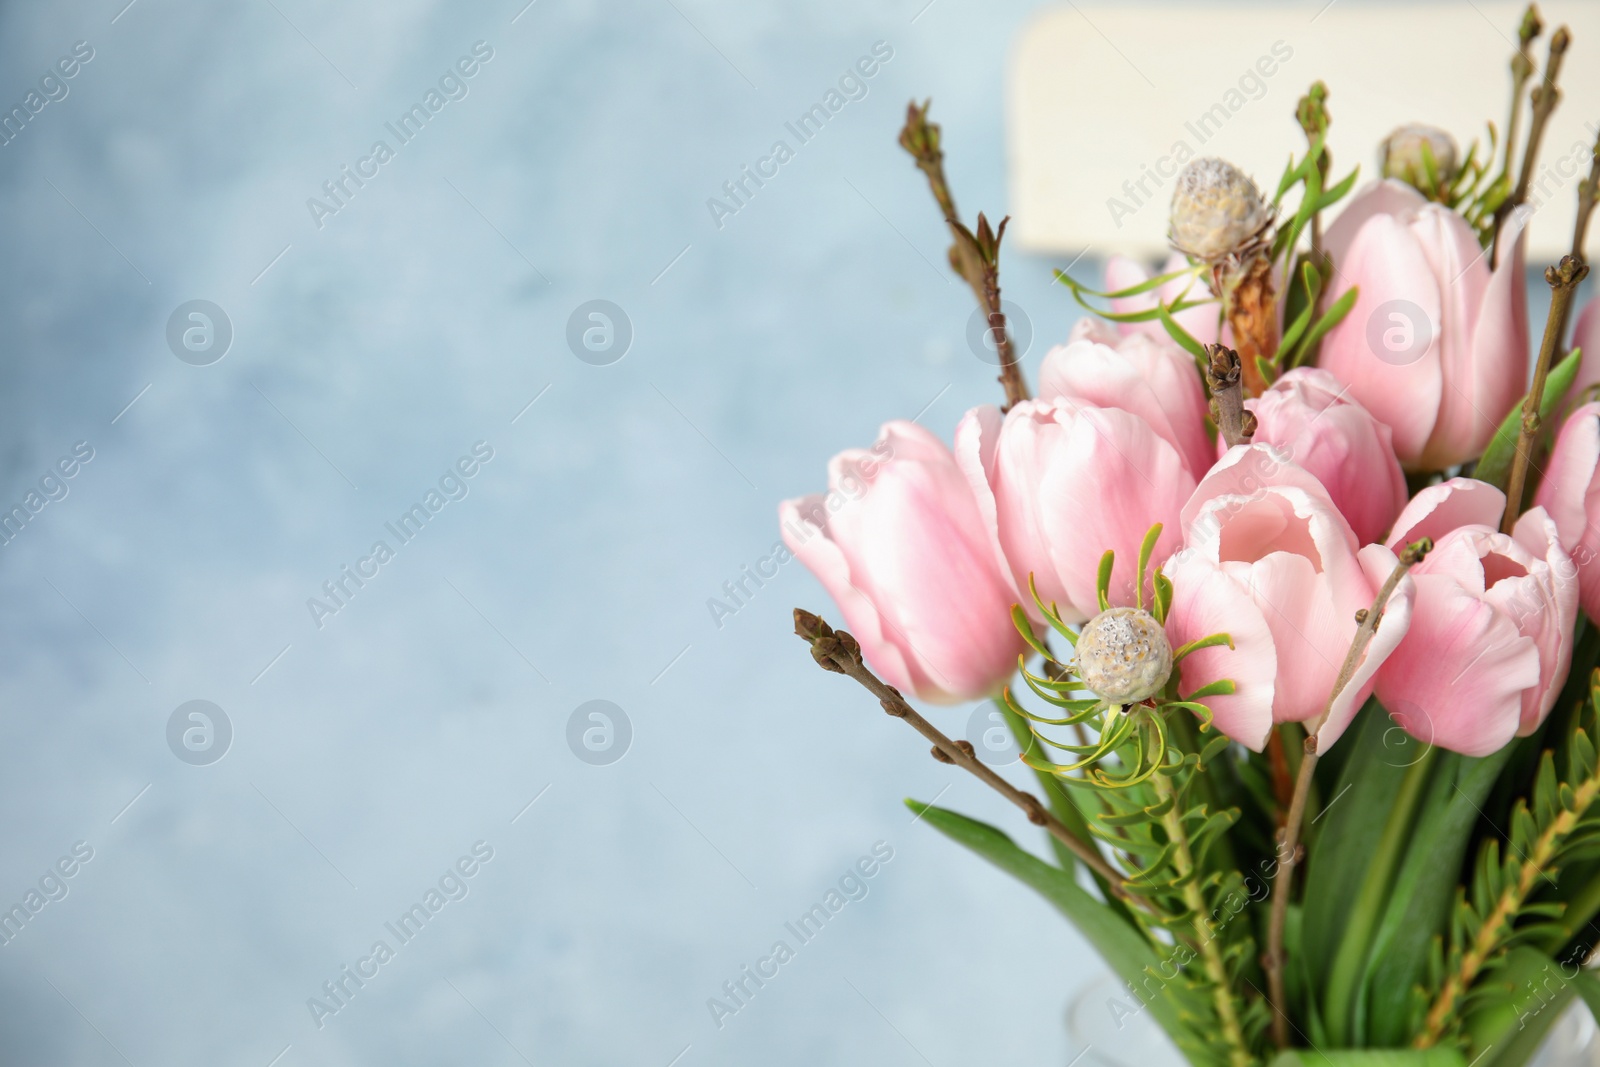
1449, 505
1544, 605
1307, 632
1386, 196
1143, 376
1570, 493
812, 547
1204, 602
1399, 308
1586, 336
977, 438
1244, 471
1201, 321
1378, 563
1456, 680
1308, 416
1121, 479
1484, 357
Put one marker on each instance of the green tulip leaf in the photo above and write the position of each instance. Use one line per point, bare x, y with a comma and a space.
1384, 1057
1495, 466
1126, 950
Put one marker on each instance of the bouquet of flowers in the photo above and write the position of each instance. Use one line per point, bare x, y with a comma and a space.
1277, 583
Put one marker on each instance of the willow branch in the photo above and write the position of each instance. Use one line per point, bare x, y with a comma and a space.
1587, 193
978, 266
1563, 281
1545, 99
1223, 369
835, 650
1521, 70
1289, 847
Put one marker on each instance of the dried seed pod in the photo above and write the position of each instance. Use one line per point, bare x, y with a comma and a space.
1217, 212
1124, 656
1400, 155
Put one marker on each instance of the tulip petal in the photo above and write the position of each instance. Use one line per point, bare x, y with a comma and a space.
899, 543
1243, 471
1586, 335
1544, 605
1202, 322
1204, 602
812, 546
977, 436
1298, 606
1378, 563
1570, 494
1140, 375
1449, 505
1386, 196
1307, 415
1457, 679
1121, 478
1484, 355
1386, 348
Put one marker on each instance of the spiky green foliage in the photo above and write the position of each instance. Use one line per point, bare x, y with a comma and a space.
1136, 771
1513, 896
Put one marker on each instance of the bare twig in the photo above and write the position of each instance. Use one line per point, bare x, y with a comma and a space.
1563, 281
1545, 99
984, 247
1588, 191
1521, 70
1289, 847
1223, 369
968, 258
837, 651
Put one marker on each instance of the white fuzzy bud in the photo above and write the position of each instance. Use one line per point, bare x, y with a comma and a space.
1216, 211
1400, 155
1124, 656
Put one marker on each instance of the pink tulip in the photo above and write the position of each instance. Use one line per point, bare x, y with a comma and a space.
1278, 570
1059, 483
1145, 376
899, 544
1491, 634
1570, 492
1202, 322
1310, 417
1436, 344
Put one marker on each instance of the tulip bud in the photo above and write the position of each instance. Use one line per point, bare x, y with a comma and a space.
1217, 212
1059, 483
1402, 156
1436, 345
900, 543
1124, 656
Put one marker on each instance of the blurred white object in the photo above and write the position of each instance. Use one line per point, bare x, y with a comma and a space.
1107, 1027
1105, 104
1574, 1041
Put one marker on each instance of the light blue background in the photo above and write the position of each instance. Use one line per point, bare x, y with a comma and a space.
421, 718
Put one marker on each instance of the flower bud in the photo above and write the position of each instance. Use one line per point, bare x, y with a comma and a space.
1124, 656
1217, 211
1400, 156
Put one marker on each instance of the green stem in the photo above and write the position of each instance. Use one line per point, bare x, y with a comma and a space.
1350, 962
1205, 935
